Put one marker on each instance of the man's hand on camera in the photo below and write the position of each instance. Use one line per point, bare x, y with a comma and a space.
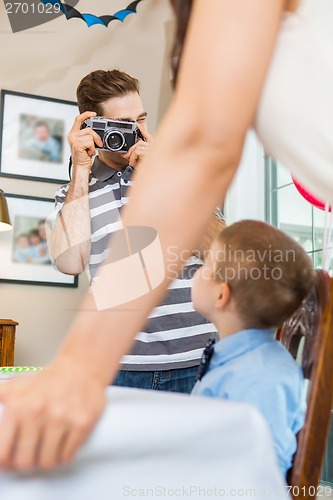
140, 148
82, 141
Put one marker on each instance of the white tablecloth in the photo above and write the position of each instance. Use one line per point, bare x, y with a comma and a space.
162, 445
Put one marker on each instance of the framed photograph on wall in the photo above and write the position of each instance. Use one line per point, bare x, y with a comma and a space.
33, 136
24, 254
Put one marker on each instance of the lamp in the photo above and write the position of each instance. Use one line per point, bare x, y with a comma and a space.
5, 224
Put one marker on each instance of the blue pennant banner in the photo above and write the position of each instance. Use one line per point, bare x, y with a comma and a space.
31, 13
90, 19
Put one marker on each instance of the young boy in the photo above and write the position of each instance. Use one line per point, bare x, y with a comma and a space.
254, 278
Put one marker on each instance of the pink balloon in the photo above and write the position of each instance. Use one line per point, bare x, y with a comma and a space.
309, 197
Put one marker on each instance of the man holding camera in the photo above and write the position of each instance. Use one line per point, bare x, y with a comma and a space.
112, 122
109, 94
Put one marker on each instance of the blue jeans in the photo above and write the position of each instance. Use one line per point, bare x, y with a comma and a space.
181, 380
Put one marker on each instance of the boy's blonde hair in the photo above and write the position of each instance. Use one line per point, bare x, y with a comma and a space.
268, 272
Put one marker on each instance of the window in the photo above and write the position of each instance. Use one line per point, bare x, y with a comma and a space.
286, 209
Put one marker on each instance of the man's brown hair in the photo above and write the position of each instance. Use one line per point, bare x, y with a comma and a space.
268, 272
99, 86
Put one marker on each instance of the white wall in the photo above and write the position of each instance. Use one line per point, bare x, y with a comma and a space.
246, 195
50, 60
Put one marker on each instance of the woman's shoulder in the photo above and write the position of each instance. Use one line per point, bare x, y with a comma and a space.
295, 110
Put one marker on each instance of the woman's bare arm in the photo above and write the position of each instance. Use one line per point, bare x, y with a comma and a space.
185, 175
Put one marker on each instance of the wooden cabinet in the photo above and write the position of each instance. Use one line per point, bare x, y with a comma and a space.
7, 341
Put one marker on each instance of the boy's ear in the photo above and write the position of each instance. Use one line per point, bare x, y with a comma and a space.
224, 296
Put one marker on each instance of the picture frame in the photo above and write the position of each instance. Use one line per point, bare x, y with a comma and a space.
33, 136
24, 257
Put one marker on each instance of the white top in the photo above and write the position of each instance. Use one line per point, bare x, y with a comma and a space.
150, 445
295, 114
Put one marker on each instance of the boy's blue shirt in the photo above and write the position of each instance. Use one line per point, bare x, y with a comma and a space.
252, 367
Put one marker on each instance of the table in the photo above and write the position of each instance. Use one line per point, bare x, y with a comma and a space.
150, 445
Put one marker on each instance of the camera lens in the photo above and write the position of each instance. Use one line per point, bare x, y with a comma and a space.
114, 140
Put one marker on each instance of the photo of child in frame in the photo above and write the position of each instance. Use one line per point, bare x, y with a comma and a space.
29, 241
41, 138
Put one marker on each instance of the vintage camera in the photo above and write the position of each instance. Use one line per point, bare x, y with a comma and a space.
117, 135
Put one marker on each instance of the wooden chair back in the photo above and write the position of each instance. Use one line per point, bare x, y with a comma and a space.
313, 320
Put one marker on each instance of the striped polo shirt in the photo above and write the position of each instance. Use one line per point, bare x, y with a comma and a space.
175, 334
